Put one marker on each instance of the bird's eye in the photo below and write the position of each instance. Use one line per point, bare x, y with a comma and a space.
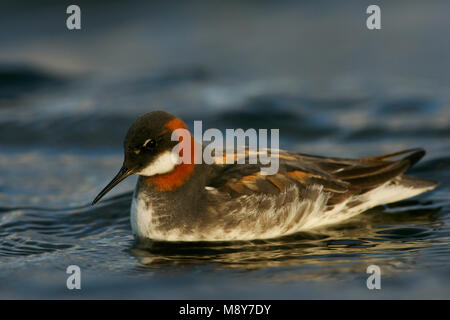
149, 144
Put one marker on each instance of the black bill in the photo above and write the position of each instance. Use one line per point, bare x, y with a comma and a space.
123, 173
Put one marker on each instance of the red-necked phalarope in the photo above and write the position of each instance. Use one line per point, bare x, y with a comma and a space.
216, 202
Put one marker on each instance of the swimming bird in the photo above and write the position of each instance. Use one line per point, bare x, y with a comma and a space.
224, 201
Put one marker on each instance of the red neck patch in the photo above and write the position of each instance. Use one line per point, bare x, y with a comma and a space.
174, 179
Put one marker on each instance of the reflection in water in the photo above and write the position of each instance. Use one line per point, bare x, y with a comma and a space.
375, 237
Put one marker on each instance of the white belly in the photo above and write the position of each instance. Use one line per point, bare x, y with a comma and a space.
140, 217
145, 223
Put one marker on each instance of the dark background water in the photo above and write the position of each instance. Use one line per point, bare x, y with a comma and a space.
312, 69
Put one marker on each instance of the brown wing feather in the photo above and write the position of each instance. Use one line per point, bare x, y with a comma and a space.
341, 177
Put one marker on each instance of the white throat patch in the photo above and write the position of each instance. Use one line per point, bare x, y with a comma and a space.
164, 163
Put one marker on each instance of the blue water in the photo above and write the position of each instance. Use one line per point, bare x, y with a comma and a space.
312, 70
